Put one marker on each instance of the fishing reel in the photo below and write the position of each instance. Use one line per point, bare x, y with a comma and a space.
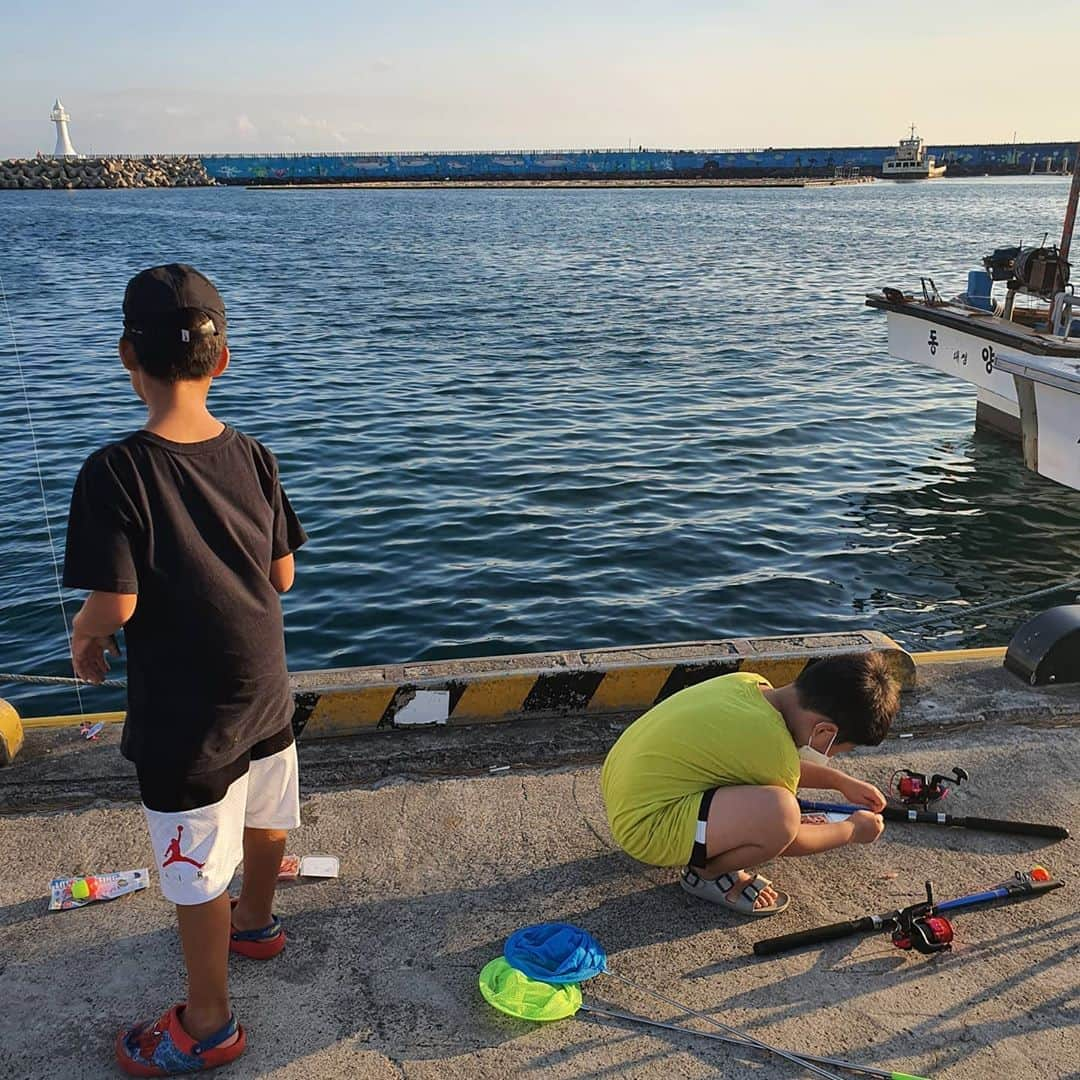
916, 789
919, 928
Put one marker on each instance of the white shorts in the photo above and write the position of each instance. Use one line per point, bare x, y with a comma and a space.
198, 851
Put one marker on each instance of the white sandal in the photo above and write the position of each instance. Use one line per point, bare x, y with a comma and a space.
716, 890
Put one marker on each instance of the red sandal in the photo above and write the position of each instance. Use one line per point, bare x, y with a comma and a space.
262, 944
164, 1048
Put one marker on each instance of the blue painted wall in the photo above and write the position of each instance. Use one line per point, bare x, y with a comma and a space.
611, 163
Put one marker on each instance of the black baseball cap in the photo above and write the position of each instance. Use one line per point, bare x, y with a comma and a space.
158, 301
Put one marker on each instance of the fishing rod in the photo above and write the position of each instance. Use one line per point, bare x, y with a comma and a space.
924, 926
927, 817
607, 1013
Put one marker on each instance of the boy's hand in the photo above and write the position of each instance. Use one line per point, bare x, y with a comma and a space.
865, 827
90, 655
93, 632
863, 794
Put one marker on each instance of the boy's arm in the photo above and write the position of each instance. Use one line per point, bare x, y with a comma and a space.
288, 533
283, 573
812, 775
93, 630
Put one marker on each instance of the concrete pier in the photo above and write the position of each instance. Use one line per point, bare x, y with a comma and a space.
451, 837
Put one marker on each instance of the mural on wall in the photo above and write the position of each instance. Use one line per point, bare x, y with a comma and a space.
969, 159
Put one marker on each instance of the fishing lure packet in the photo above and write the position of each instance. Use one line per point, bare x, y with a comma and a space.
293, 867
66, 893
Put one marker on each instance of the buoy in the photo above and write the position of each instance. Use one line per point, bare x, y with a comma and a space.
11, 733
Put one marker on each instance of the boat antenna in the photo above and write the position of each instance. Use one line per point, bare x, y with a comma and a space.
1070, 209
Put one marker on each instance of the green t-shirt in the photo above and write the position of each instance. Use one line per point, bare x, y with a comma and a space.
719, 733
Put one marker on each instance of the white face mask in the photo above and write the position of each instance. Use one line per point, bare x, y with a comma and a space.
816, 757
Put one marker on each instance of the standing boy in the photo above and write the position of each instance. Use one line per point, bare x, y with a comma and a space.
184, 537
708, 777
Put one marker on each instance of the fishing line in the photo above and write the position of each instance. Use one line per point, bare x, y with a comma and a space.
40, 477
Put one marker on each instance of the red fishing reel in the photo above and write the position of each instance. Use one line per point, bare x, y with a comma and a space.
918, 927
928, 935
917, 789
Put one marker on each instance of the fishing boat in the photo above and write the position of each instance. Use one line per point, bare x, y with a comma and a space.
1021, 352
911, 161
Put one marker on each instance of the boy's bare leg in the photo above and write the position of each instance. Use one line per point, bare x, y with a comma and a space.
263, 849
204, 935
747, 826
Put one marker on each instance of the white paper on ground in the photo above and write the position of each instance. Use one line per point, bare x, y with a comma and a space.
320, 866
427, 707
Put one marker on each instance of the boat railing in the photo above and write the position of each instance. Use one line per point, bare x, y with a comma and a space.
1061, 314
931, 296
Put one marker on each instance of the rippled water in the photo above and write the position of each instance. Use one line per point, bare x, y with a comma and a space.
517, 420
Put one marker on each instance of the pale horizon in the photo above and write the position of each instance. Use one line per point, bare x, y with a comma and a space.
354, 77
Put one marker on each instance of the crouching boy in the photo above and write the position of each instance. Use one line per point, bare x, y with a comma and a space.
708, 777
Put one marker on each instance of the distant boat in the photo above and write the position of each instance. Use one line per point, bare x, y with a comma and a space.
911, 161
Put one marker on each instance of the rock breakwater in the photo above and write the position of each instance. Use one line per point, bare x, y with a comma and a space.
103, 172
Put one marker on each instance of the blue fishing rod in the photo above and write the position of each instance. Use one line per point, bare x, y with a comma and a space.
929, 817
924, 926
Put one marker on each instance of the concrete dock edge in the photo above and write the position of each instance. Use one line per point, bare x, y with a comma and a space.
351, 701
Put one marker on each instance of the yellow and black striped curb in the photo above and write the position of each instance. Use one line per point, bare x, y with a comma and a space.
350, 701
541, 685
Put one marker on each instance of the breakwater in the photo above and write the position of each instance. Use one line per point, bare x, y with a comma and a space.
104, 172
808, 162
798, 164
596, 184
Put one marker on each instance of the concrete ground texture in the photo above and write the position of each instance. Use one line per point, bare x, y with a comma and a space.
442, 859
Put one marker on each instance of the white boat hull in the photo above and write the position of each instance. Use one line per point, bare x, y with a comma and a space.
934, 172
967, 356
1059, 435
1048, 390
1035, 398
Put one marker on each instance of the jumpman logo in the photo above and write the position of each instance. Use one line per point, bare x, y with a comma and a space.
173, 854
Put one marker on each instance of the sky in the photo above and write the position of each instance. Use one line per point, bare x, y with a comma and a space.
246, 77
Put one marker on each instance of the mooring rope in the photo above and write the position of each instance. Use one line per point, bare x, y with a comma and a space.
40, 477
55, 680
979, 608
952, 613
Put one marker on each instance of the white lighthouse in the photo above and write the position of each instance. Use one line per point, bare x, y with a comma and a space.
60, 118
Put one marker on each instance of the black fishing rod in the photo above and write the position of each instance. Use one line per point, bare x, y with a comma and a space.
928, 817
924, 926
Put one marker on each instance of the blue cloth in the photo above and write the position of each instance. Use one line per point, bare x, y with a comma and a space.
555, 953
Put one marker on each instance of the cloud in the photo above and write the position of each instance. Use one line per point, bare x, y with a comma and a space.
312, 133
245, 127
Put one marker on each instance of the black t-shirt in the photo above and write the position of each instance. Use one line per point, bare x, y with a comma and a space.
192, 528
